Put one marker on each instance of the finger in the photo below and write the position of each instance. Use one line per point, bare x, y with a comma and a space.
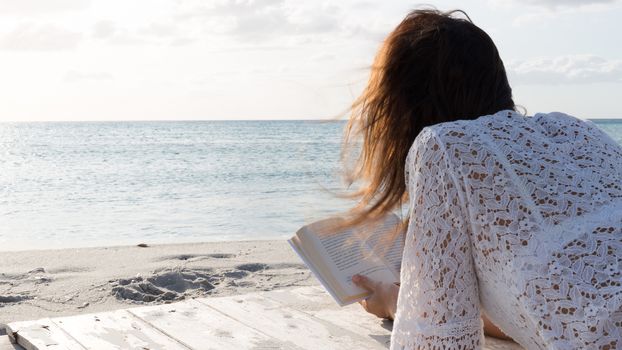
363, 282
364, 305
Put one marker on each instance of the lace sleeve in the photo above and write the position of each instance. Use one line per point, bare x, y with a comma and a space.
438, 304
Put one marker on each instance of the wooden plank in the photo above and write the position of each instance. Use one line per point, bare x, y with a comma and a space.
210, 328
41, 334
5, 344
116, 330
316, 302
289, 325
303, 298
302, 318
356, 320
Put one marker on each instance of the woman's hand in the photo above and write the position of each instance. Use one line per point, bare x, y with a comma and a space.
383, 300
383, 303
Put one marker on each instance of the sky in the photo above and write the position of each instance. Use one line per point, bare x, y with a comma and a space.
278, 59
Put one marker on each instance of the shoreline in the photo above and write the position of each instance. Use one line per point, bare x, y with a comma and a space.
36, 247
61, 282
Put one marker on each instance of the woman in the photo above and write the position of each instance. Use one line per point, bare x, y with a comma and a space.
516, 217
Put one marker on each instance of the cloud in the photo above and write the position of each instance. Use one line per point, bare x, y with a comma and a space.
46, 37
110, 32
155, 34
323, 57
166, 33
530, 11
159, 30
104, 29
552, 4
74, 76
570, 69
565, 3
41, 6
264, 20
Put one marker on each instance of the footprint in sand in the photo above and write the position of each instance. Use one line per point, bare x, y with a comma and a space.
14, 288
38, 275
169, 285
252, 267
288, 266
194, 257
235, 274
8, 299
164, 286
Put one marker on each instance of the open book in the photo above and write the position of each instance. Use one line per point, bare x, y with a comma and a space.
334, 257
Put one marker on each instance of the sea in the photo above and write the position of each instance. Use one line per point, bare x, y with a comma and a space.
84, 184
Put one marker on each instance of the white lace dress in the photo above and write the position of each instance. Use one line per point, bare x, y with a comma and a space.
518, 217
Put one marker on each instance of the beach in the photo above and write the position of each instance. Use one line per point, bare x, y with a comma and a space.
51, 283
242, 186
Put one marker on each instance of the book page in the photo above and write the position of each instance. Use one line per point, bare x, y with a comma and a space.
345, 254
389, 250
318, 269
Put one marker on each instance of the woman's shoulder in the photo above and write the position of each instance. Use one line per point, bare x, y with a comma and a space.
507, 120
504, 125
463, 128
558, 123
466, 135
433, 138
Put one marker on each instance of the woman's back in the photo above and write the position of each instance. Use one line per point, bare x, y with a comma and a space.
524, 214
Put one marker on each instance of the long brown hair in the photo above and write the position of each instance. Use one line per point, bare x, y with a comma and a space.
434, 67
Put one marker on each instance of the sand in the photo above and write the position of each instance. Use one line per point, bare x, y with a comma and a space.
52, 283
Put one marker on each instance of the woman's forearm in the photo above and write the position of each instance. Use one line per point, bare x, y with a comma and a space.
493, 331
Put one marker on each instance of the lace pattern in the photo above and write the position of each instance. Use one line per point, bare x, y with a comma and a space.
438, 305
524, 213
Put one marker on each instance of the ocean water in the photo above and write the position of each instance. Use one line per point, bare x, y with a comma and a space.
116, 183
613, 127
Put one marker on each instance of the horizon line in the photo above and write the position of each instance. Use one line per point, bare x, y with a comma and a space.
171, 120
213, 120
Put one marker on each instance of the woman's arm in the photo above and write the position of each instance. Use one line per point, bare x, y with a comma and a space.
383, 303
493, 331
438, 303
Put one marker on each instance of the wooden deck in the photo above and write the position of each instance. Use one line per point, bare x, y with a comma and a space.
5, 344
302, 318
